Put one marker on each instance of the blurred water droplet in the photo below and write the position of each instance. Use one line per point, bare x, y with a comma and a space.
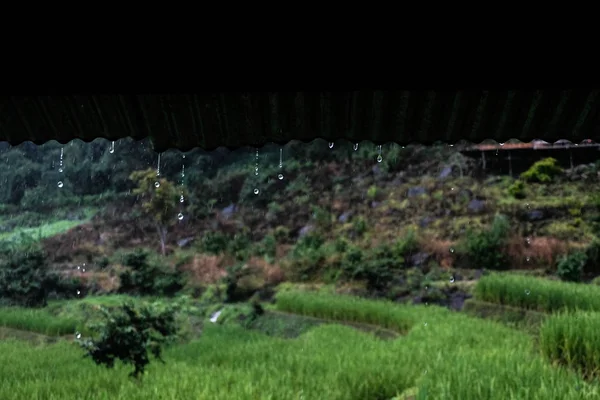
528, 240
379, 158
425, 325
528, 259
280, 176
527, 292
331, 145
451, 249
256, 191
180, 216
60, 170
426, 287
112, 147
451, 279
78, 292
78, 335
355, 146
60, 184
157, 184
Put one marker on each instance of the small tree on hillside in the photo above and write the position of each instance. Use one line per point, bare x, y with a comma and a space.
159, 203
128, 333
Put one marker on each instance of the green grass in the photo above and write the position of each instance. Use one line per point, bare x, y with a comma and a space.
444, 355
537, 293
36, 320
527, 320
572, 339
48, 229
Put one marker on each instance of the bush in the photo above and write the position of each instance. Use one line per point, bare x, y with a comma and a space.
543, 171
146, 279
570, 267
214, 243
128, 333
487, 249
593, 257
517, 190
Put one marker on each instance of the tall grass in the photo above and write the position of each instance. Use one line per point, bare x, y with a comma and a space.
36, 320
572, 339
537, 293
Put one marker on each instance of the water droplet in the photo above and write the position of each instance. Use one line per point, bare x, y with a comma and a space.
280, 176
379, 158
78, 335
112, 147
355, 146
78, 292
181, 199
528, 259
527, 205
528, 240
256, 191
60, 170
527, 292
451, 279
83, 270
426, 287
331, 145
451, 249
256, 173
60, 184
425, 324
157, 184
180, 216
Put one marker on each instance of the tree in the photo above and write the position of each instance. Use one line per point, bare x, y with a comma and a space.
128, 333
159, 202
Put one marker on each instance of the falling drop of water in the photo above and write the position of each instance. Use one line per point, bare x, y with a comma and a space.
112, 147
451, 249
158, 168
451, 279
60, 170
528, 240
181, 199
280, 158
180, 216
379, 158
355, 147
256, 191
527, 259
157, 184
426, 287
78, 293
331, 145
78, 335
280, 176
425, 325
527, 292
60, 184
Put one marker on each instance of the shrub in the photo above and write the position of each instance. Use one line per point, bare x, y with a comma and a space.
148, 279
214, 243
282, 234
593, 257
570, 267
359, 226
543, 171
517, 190
128, 333
372, 192
487, 249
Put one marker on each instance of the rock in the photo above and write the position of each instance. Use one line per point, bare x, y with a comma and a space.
306, 230
185, 241
446, 172
419, 259
426, 221
416, 191
535, 215
457, 300
228, 211
476, 206
345, 217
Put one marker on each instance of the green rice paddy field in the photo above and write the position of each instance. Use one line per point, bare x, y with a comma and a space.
440, 354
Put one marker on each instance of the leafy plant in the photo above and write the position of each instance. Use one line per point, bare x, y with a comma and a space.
129, 334
543, 171
570, 267
487, 249
145, 278
517, 190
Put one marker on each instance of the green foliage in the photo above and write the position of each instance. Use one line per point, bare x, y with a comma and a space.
214, 243
25, 277
537, 294
517, 190
592, 253
359, 226
543, 171
372, 192
569, 267
282, 234
487, 249
572, 339
307, 257
147, 279
129, 333
267, 247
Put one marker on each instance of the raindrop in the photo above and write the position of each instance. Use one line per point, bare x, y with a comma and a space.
83, 270
78, 267
527, 259
180, 216
256, 191
355, 146
280, 158
60, 170
331, 145
451, 279
60, 184
158, 168
181, 199
112, 147
280, 176
78, 335
451, 249
425, 324
379, 158
78, 292
426, 287
528, 240
527, 292
157, 184
528, 206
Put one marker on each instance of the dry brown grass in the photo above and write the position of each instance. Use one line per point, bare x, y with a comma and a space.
539, 251
439, 250
272, 273
206, 269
